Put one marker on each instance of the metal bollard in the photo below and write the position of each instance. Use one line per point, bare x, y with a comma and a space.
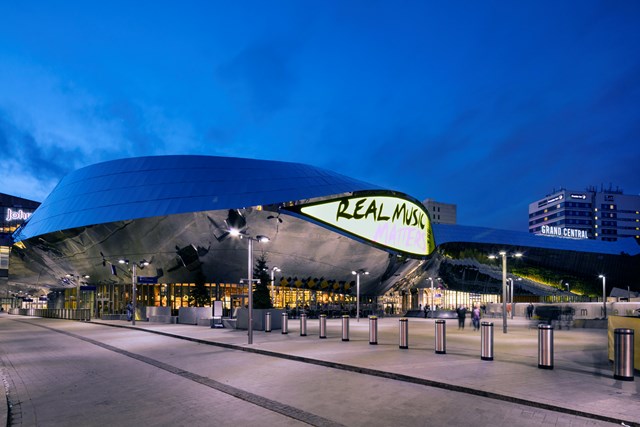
486, 341
345, 327
267, 321
404, 333
285, 323
303, 325
373, 330
623, 354
441, 336
323, 326
545, 346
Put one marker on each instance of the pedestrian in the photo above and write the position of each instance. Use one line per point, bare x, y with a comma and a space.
530, 311
426, 311
475, 318
462, 315
129, 310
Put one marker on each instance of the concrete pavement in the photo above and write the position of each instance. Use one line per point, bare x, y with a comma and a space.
580, 387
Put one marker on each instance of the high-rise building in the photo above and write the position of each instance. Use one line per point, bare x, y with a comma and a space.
441, 213
606, 214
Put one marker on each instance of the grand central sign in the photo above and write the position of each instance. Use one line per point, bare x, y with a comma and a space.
391, 222
569, 233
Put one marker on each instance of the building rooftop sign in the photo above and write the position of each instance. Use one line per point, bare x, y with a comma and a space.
568, 233
386, 220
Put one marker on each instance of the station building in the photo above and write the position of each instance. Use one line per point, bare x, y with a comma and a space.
167, 223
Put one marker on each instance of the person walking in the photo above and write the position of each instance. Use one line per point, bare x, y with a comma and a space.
129, 311
462, 315
475, 318
530, 311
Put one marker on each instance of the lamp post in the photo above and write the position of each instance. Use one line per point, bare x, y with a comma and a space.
357, 274
134, 288
273, 289
262, 239
604, 295
503, 254
433, 306
567, 285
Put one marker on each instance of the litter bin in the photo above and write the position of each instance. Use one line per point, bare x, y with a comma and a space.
285, 323
345, 327
404, 333
441, 336
623, 354
545, 346
267, 321
323, 326
373, 330
486, 341
303, 325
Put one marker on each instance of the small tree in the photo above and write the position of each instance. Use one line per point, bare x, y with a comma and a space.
261, 296
199, 295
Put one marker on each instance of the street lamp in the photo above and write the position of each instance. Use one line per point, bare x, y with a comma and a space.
261, 239
567, 285
357, 274
604, 295
142, 264
273, 289
503, 254
433, 307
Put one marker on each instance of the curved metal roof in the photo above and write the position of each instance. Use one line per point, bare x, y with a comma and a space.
143, 187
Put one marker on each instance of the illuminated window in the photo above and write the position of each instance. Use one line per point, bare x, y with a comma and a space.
596, 234
4, 257
546, 210
546, 218
610, 206
596, 218
596, 225
596, 209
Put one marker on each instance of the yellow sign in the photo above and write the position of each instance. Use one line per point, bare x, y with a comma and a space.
391, 222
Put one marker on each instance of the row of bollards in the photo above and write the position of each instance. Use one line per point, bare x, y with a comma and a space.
623, 340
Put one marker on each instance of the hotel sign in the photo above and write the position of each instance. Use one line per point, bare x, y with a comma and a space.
19, 215
569, 233
387, 221
544, 202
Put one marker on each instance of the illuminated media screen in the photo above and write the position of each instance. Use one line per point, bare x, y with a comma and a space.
390, 222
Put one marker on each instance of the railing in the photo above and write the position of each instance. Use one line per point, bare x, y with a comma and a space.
54, 313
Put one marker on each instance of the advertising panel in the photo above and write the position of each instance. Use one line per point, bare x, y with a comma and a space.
386, 220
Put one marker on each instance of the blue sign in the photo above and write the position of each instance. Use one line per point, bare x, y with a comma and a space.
149, 280
87, 288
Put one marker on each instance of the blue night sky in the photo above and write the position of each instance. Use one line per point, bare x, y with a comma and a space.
488, 105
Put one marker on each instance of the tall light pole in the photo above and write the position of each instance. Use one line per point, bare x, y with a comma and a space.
433, 306
357, 274
604, 295
503, 254
567, 285
262, 239
273, 289
134, 288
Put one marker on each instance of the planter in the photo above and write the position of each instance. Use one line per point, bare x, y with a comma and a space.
190, 315
258, 318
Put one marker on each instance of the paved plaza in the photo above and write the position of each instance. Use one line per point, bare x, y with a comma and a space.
189, 375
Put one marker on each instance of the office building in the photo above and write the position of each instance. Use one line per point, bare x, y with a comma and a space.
441, 213
605, 214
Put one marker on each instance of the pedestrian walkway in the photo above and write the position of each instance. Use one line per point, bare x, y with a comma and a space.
580, 385
581, 382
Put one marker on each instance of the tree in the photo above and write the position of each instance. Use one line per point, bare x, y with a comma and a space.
199, 295
261, 295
